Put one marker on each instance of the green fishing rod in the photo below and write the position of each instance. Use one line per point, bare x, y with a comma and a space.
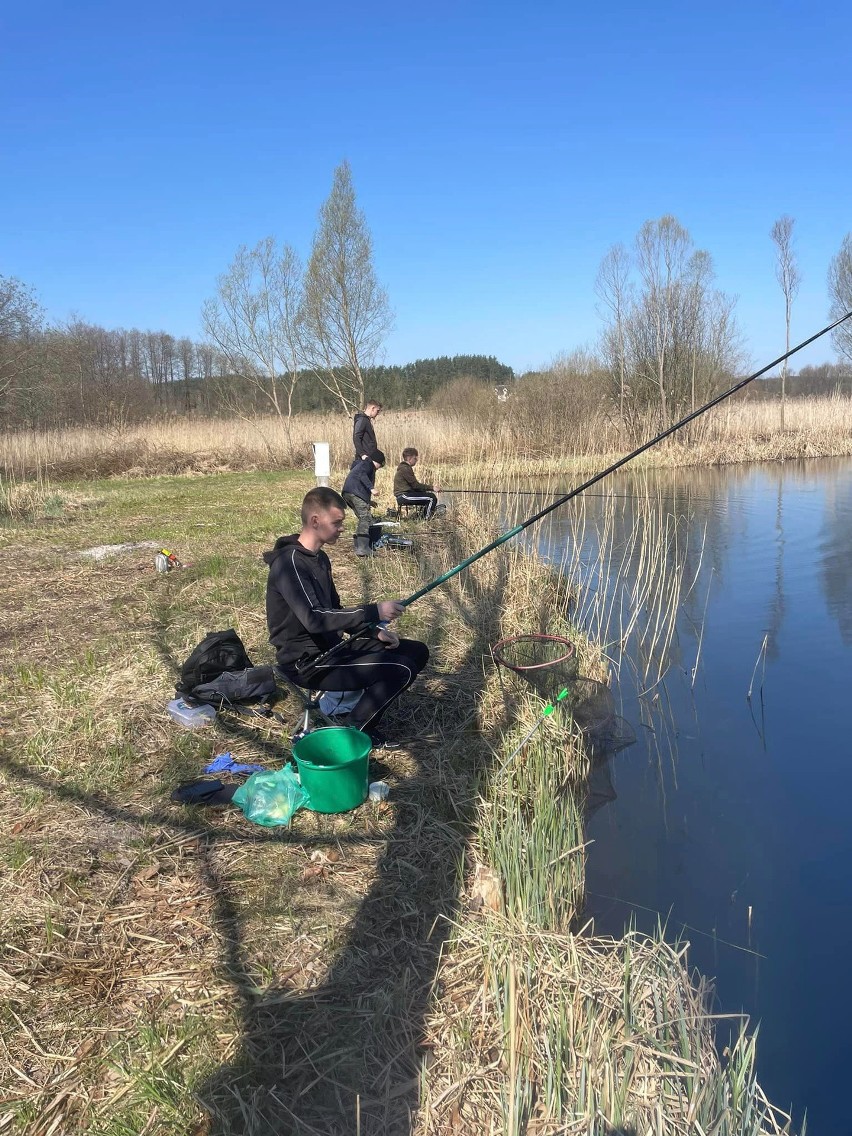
466, 563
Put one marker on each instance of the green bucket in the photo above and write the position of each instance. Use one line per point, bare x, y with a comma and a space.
332, 765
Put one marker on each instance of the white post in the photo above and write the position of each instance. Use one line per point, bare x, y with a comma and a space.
322, 462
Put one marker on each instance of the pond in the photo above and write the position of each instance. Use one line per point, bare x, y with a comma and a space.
729, 819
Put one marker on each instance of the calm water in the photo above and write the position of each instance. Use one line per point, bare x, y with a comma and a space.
729, 818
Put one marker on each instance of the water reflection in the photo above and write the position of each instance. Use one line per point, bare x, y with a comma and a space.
730, 818
833, 545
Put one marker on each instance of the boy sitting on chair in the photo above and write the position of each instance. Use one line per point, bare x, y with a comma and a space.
408, 490
305, 622
358, 492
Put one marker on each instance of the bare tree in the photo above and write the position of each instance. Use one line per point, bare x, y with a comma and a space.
613, 288
345, 311
186, 359
253, 320
21, 318
662, 254
670, 337
789, 278
840, 292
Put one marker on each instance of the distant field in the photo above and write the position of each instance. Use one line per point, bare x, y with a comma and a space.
448, 442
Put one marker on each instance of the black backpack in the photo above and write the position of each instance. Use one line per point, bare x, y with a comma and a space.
220, 673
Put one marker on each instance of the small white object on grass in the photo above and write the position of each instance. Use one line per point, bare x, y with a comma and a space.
379, 791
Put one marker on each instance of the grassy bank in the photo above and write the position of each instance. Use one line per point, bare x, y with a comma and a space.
170, 970
451, 444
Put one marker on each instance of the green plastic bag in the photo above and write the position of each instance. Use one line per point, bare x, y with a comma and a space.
271, 798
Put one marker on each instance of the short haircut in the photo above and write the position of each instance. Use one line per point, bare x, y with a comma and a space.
409, 452
378, 456
372, 402
320, 500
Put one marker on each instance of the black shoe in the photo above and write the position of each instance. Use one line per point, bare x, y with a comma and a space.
380, 741
203, 792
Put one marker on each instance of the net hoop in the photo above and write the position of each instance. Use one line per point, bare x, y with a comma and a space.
566, 649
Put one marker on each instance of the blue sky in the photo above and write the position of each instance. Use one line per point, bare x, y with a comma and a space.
498, 151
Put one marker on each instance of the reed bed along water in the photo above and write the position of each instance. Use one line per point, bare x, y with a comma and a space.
450, 442
538, 1032
537, 1028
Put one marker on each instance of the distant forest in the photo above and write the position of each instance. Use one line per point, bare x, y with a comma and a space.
83, 374
822, 379
412, 384
87, 375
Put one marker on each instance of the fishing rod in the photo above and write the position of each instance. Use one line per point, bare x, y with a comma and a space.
442, 579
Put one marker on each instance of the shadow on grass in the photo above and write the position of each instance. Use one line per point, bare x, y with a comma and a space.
343, 1057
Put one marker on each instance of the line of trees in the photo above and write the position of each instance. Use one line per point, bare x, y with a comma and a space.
78, 373
280, 338
283, 337
671, 340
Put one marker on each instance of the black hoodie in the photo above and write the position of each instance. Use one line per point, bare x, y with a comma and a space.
303, 611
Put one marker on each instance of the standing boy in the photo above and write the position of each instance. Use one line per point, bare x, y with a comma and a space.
408, 490
358, 493
305, 621
363, 432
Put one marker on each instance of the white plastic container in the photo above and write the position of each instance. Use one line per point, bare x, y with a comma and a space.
379, 791
190, 717
322, 462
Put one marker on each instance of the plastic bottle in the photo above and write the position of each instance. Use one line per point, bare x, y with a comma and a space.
190, 717
379, 790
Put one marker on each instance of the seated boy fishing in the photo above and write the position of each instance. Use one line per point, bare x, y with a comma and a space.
408, 490
358, 492
306, 621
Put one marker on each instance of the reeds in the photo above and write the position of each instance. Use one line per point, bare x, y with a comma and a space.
537, 1032
536, 1029
454, 445
531, 829
25, 498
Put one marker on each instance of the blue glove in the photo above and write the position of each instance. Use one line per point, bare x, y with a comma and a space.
224, 763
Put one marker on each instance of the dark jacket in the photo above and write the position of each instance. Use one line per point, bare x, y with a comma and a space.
303, 611
360, 479
363, 435
404, 481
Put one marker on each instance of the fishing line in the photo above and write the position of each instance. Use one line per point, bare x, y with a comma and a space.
664, 920
545, 714
442, 579
559, 492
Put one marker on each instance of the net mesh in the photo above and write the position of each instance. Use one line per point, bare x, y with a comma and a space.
549, 664
546, 662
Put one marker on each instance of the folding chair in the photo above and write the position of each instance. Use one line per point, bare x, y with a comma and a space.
310, 700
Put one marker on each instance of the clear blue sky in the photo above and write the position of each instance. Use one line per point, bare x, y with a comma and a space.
498, 150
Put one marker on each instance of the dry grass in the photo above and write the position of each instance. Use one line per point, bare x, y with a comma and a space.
536, 1032
452, 445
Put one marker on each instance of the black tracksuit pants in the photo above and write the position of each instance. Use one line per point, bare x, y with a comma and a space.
367, 664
